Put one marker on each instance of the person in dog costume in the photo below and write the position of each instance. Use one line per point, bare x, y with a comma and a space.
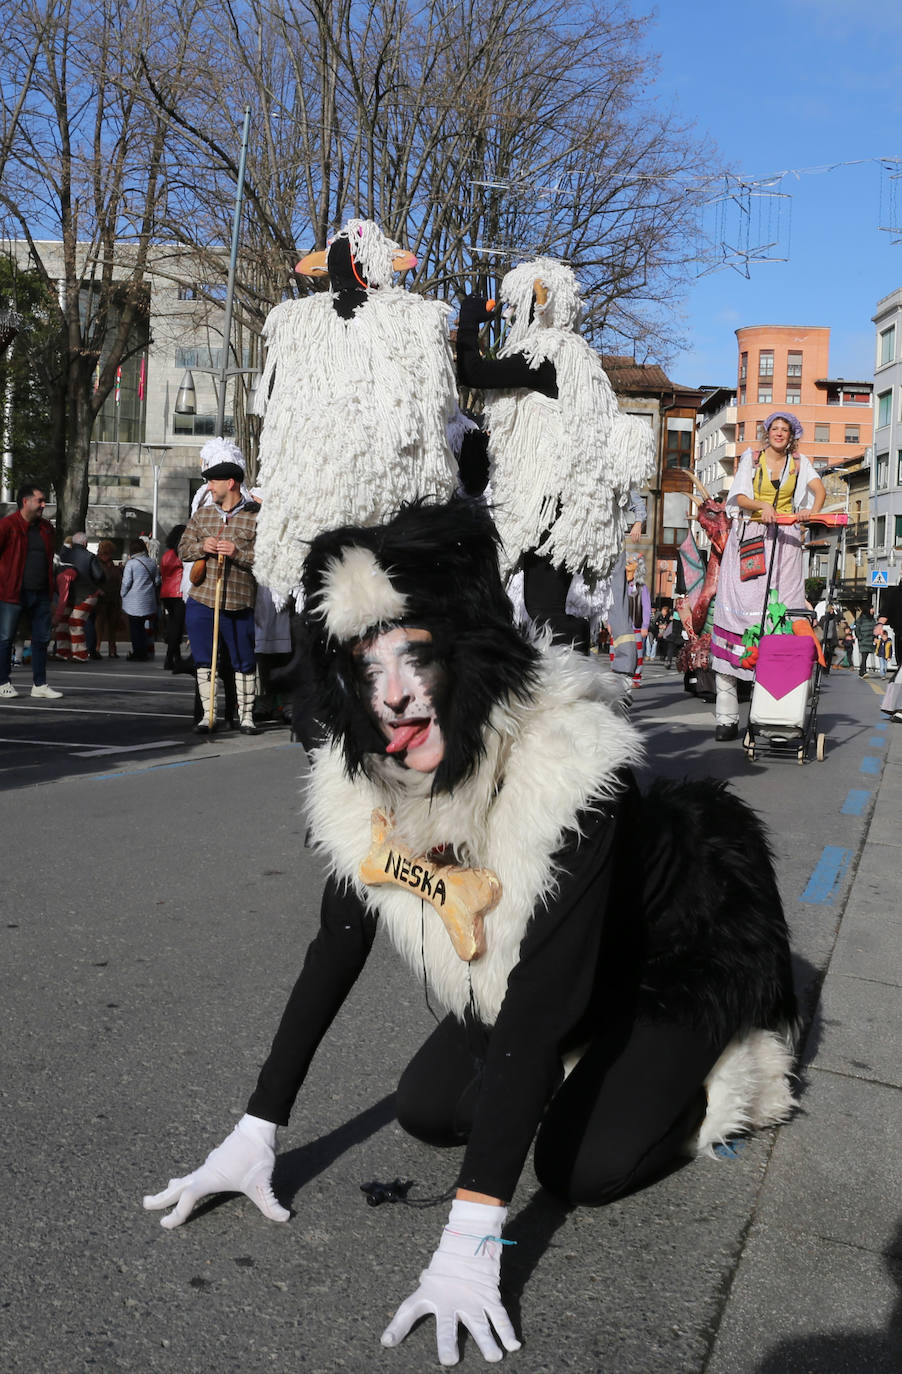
474, 797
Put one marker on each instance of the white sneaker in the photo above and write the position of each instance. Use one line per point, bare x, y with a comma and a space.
8, 690
47, 692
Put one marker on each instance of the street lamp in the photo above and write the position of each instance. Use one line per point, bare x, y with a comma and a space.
186, 399
161, 450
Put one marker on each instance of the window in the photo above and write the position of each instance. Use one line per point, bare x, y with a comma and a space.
882, 471
765, 395
793, 396
852, 432
199, 425
743, 366
766, 362
678, 447
897, 537
793, 364
899, 467
742, 396
112, 479
884, 408
188, 291
886, 350
674, 517
740, 435
822, 434
879, 531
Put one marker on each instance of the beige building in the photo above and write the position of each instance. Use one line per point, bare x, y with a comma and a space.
143, 452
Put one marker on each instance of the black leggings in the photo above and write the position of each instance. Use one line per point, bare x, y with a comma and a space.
545, 591
619, 1120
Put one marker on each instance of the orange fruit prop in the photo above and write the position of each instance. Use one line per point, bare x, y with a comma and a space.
805, 627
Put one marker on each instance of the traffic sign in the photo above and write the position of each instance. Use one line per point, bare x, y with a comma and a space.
878, 577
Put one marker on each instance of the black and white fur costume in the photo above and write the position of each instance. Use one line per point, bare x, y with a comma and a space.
671, 983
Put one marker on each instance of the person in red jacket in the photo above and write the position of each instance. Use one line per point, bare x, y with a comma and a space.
26, 583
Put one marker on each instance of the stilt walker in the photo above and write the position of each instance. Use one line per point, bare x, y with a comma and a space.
564, 458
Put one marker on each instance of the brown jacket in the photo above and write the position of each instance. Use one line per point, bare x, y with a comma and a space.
239, 588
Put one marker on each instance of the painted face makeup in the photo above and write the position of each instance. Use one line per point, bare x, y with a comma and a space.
400, 683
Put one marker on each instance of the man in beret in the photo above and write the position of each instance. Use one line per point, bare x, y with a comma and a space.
219, 541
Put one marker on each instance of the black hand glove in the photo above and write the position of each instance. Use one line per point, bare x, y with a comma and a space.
473, 312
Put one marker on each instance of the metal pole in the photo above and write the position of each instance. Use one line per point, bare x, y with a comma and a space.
156, 499
230, 289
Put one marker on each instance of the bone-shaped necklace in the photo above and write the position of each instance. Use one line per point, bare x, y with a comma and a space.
463, 897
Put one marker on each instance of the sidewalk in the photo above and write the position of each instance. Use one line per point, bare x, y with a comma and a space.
819, 1285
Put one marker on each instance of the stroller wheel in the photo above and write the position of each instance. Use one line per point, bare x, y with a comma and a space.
801, 754
821, 748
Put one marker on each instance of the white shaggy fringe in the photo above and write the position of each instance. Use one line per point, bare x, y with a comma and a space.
748, 1089
562, 470
355, 424
556, 755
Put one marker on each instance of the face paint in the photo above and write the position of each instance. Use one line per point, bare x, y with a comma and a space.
400, 681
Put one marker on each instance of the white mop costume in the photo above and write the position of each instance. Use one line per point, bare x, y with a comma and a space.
561, 466
355, 410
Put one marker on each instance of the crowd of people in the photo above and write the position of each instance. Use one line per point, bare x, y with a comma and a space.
66, 606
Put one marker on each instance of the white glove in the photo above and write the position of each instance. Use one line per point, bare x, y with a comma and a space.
461, 1284
243, 1163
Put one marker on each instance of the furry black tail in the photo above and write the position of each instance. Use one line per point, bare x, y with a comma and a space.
717, 954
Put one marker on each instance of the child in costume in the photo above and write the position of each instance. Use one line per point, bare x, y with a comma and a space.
473, 798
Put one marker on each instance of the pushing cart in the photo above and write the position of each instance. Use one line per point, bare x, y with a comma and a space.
783, 708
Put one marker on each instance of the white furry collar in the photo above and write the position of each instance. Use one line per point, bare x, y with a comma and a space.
546, 761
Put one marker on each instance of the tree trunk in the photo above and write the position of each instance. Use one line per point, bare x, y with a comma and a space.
72, 497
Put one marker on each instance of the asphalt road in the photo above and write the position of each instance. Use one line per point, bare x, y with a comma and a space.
112, 713
158, 902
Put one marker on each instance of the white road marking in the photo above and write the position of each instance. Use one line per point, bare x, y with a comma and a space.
89, 711
92, 750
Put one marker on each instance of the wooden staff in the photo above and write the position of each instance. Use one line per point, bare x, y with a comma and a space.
217, 603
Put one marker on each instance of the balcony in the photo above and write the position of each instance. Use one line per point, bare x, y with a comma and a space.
856, 533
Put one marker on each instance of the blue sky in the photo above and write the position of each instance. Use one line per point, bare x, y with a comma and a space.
780, 86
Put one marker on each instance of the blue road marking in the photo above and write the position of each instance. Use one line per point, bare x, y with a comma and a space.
870, 765
882, 725
856, 802
877, 742
827, 876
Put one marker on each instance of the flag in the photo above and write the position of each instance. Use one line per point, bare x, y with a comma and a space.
118, 384
141, 378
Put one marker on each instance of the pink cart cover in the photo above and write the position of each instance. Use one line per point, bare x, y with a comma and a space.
784, 662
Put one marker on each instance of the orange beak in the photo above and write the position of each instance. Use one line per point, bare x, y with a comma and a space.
316, 264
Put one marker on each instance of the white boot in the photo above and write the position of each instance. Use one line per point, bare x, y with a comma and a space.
204, 689
246, 689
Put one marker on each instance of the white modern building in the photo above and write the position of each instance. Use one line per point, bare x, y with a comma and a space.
715, 440
885, 531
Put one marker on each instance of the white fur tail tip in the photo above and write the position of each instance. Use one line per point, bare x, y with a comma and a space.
748, 1089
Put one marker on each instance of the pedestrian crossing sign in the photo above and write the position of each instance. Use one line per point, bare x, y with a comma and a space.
878, 577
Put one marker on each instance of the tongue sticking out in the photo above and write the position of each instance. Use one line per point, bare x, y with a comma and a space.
405, 735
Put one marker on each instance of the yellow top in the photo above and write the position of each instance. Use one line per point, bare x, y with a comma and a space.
764, 488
